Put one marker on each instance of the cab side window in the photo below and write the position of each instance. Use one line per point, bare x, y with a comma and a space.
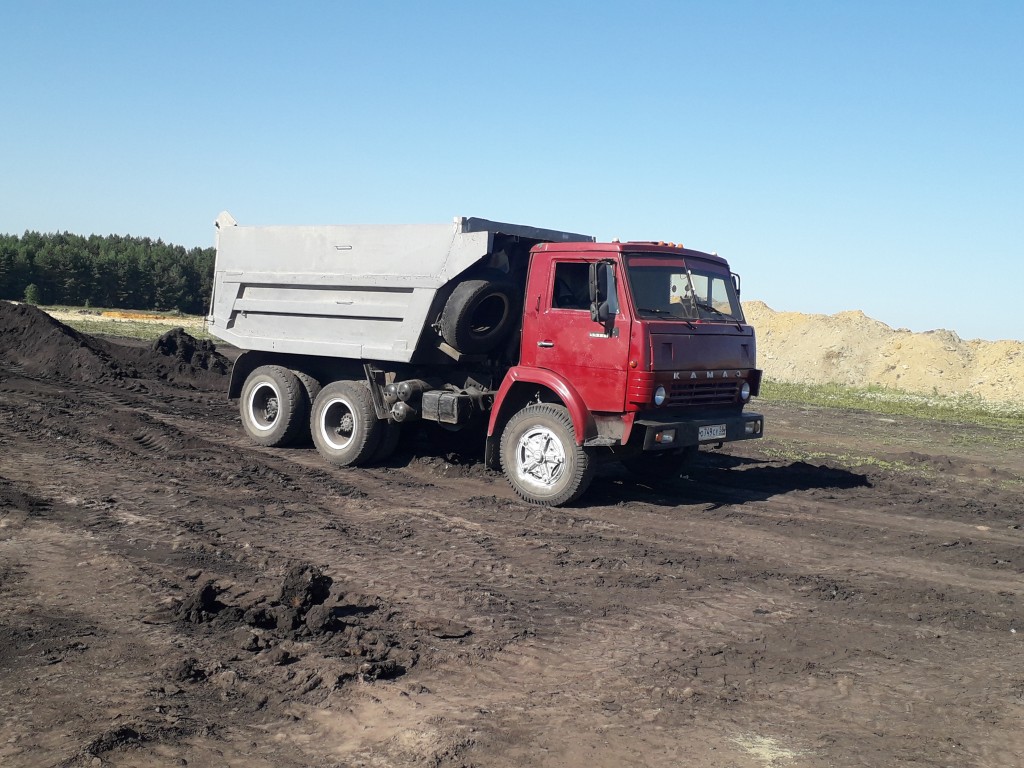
572, 286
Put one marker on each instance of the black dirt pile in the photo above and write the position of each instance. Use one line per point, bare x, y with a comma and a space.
35, 344
180, 358
38, 345
189, 351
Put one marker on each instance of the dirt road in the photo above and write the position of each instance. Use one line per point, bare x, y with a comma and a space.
847, 591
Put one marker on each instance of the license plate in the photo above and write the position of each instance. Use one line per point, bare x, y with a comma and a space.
711, 432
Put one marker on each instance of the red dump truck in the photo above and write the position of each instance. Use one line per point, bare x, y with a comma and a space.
555, 350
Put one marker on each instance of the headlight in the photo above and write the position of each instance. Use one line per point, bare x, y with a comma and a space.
745, 391
659, 396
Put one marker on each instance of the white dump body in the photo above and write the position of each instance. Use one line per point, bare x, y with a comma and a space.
361, 292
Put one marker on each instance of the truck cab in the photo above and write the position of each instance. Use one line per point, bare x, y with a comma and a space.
647, 348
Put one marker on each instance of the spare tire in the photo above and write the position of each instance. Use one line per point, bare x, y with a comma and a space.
479, 315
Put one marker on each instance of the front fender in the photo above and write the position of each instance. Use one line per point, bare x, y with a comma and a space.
582, 423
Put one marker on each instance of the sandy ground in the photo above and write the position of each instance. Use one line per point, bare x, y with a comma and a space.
853, 349
846, 592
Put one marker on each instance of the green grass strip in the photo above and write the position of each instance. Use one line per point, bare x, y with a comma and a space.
894, 402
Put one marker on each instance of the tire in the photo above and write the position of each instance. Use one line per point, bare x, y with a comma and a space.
273, 406
388, 441
540, 457
344, 424
660, 467
311, 385
312, 389
479, 315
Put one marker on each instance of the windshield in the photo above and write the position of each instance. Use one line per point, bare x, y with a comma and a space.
673, 289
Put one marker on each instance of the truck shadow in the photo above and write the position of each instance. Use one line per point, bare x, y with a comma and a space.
714, 478
721, 479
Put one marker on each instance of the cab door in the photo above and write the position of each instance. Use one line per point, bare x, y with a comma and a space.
559, 334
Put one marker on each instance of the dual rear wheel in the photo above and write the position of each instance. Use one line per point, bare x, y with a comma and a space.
280, 407
345, 427
275, 406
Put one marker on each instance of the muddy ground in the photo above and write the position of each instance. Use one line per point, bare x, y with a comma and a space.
847, 591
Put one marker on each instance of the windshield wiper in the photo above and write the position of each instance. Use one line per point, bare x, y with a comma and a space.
717, 311
673, 315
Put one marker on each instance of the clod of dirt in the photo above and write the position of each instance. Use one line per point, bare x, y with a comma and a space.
303, 589
188, 670
260, 617
443, 629
121, 736
278, 657
202, 606
321, 618
304, 586
248, 641
388, 669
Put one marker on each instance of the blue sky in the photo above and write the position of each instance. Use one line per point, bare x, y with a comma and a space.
861, 155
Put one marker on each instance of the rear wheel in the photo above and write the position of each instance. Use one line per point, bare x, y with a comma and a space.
344, 423
312, 389
311, 385
273, 406
540, 457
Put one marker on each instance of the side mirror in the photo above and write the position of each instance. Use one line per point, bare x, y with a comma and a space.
604, 303
736, 283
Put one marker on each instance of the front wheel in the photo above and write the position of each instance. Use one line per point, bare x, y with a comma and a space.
344, 423
540, 457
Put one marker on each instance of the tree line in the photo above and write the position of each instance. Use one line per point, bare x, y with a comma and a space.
113, 271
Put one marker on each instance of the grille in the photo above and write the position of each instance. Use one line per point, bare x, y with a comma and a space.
703, 392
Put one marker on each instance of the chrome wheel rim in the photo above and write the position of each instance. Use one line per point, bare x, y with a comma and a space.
540, 458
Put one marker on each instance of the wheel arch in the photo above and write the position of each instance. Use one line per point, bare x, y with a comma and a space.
245, 364
323, 369
520, 386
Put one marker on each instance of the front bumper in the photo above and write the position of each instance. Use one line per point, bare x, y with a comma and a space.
683, 433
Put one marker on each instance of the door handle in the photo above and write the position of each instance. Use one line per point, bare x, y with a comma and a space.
545, 344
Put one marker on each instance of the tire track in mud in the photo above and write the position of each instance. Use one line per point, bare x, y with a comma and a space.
761, 595
267, 467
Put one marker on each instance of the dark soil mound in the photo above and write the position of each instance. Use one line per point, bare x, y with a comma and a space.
38, 345
191, 352
179, 358
359, 634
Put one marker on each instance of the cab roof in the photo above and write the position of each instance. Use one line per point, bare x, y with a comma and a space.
631, 246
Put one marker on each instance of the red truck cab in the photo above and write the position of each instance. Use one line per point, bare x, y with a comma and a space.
645, 348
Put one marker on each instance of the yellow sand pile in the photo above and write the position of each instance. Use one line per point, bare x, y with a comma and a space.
851, 348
